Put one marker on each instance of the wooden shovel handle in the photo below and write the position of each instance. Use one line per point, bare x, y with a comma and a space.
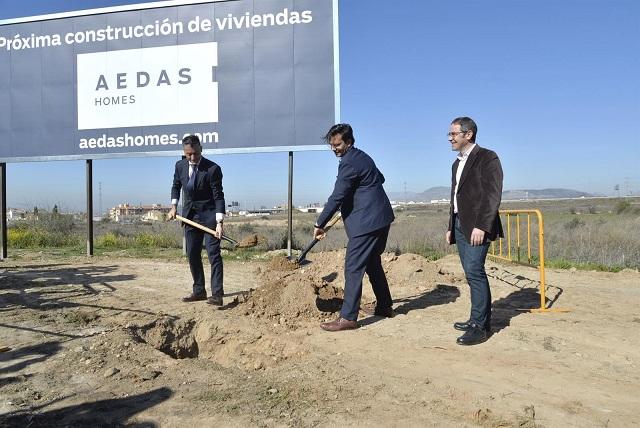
204, 228
331, 222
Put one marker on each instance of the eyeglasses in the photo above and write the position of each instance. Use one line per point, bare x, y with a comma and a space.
453, 134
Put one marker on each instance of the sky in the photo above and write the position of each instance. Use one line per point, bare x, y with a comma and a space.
554, 87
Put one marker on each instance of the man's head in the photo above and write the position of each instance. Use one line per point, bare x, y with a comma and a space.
192, 148
340, 138
462, 133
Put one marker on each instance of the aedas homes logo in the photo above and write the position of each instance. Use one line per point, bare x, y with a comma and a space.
150, 86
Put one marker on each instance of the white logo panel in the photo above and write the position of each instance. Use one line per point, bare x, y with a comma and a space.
151, 86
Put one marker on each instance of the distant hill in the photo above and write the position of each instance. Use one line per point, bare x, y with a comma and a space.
443, 192
440, 192
544, 194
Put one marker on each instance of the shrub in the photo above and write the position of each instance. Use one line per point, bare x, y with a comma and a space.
574, 224
34, 238
109, 240
622, 206
155, 240
246, 228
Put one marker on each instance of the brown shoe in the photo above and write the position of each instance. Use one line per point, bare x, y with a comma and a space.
215, 300
339, 325
194, 297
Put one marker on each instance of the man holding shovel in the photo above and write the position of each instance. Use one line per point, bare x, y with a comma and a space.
204, 204
367, 216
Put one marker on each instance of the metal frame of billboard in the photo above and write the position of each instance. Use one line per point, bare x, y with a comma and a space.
171, 3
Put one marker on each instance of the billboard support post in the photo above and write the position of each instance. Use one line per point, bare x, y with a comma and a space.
290, 207
89, 170
3, 209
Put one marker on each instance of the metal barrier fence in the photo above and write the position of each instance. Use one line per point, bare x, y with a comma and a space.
516, 256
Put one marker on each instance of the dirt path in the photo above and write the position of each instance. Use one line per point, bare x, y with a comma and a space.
107, 342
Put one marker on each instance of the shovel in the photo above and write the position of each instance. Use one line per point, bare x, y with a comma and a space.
328, 226
206, 229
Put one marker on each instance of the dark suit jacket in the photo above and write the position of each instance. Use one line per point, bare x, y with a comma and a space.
207, 198
359, 195
479, 194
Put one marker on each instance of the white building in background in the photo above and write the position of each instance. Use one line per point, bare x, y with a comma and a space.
16, 214
126, 213
311, 208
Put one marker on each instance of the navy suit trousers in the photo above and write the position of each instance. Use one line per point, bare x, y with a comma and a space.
194, 237
363, 255
472, 259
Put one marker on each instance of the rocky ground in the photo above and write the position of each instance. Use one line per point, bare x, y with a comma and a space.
107, 342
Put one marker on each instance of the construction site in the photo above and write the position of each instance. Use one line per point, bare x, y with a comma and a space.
107, 342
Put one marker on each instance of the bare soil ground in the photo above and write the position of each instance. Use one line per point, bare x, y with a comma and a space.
107, 342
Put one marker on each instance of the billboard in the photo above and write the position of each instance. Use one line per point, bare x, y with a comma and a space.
244, 75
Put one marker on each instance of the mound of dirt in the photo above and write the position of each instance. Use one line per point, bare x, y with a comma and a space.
251, 241
412, 270
282, 264
291, 294
293, 299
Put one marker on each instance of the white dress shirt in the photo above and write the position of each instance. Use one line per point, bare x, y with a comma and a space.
462, 157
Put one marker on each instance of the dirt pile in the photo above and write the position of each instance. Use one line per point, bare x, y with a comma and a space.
291, 294
281, 264
413, 270
251, 241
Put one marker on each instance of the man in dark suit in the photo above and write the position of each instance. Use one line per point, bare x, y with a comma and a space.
476, 192
204, 203
367, 216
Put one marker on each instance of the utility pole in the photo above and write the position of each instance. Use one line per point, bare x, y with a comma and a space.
405, 193
100, 198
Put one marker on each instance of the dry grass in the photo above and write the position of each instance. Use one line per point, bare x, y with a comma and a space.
601, 234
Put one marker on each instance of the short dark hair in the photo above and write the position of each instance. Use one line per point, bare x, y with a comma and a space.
191, 140
466, 124
342, 129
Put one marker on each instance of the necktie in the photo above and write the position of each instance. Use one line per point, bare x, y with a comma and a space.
192, 180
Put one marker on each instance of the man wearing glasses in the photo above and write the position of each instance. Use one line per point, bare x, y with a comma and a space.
367, 216
476, 191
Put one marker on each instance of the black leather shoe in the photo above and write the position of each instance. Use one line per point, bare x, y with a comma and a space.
194, 297
466, 325
383, 312
473, 336
462, 325
215, 300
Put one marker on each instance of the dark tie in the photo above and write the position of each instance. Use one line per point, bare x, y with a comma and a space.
192, 180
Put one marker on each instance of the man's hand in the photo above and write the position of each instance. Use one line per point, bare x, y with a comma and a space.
172, 213
477, 237
319, 233
219, 231
447, 237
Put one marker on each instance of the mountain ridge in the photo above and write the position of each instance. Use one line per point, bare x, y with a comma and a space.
443, 192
